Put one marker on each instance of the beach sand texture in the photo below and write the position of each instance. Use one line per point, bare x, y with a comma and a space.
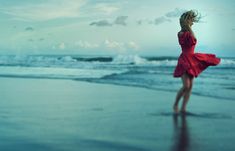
68, 115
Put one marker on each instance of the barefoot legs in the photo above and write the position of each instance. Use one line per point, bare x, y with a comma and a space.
184, 92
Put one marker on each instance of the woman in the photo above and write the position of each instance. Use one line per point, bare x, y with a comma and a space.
190, 64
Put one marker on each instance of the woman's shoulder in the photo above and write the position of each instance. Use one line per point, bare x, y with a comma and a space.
180, 33
185, 35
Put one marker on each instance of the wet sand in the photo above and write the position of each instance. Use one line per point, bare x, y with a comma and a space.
66, 115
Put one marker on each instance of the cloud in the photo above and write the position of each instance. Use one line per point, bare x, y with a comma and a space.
62, 45
48, 10
121, 46
86, 44
106, 8
121, 20
29, 29
144, 21
133, 45
161, 20
114, 44
177, 12
101, 23
165, 18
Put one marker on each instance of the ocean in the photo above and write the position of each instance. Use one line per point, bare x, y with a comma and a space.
130, 70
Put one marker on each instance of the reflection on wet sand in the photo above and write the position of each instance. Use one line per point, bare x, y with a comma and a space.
181, 133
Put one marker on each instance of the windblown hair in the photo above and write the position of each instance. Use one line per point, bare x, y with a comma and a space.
194, 15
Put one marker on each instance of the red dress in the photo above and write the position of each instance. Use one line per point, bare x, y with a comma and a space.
190, 62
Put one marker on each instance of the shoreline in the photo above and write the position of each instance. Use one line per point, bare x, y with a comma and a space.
95, 82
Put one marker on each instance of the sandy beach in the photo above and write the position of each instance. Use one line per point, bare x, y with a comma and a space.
69, 115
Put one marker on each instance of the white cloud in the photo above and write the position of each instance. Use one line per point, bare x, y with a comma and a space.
62, 45
114, 45
45, 11
133, 45
121, 45
86, 44
106, 8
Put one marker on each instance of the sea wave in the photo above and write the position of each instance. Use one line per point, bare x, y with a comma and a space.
132, 70
59, 73
70, 61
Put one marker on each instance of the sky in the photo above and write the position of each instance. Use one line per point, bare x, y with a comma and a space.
112, 27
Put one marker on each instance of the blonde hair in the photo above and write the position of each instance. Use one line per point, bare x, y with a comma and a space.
192, 14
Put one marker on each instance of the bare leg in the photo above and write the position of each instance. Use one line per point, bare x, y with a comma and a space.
177, 99
180, 93
188, 88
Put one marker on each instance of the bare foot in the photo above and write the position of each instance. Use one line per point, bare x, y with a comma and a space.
183, 111
175, 108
